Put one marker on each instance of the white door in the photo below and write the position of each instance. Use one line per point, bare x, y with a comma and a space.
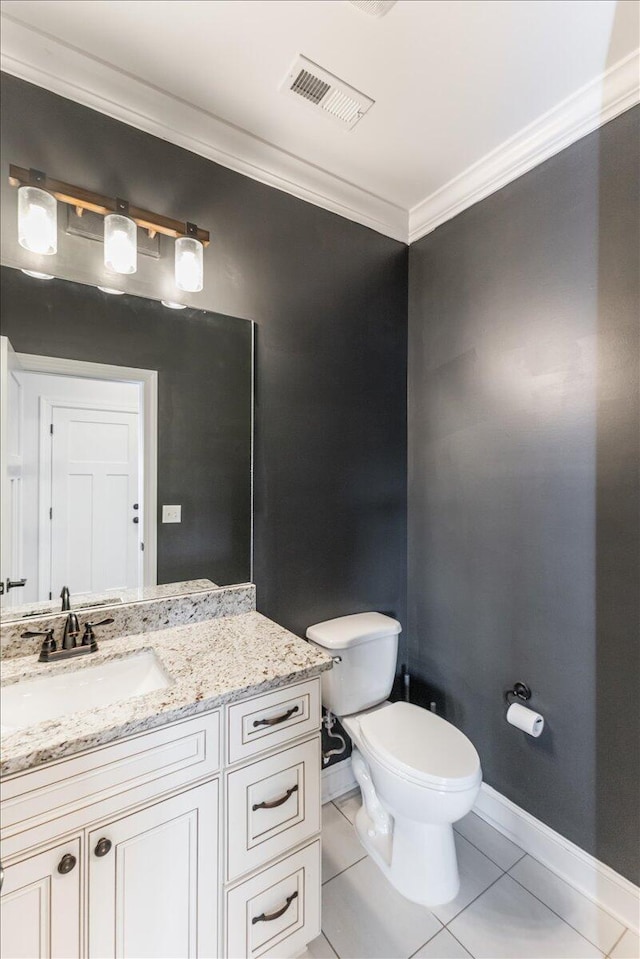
96, 527
40, 905
153, 881
10, 476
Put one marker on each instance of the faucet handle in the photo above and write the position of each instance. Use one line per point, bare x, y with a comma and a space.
31, 634
89, 638
103, 622
48, 644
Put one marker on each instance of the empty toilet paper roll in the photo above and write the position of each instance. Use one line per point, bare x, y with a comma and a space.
525, 719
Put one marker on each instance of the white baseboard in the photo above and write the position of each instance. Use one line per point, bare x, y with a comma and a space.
337, 780
581, 870
611, 891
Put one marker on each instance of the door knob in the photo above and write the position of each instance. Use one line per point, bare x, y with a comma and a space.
66, 864
103, 847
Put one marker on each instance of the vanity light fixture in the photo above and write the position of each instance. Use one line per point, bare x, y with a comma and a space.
120, 240
37, 216
188, 265
121, 221
172, 305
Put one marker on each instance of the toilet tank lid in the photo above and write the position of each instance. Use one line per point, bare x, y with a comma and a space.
351, 630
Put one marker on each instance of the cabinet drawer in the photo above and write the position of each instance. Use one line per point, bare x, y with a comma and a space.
130, 771
272, 805
272, 719
277, 912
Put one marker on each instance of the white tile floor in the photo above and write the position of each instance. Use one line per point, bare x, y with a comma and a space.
509, 905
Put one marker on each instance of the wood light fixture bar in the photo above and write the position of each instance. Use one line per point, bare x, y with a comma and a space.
82, 199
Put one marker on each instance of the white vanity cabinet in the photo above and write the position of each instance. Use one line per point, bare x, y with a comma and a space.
198, 839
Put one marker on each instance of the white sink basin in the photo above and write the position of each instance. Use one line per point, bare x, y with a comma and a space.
38, 700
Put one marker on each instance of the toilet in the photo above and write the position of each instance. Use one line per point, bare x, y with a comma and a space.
418, 773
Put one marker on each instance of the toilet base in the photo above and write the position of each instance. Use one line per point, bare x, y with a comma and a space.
418, 859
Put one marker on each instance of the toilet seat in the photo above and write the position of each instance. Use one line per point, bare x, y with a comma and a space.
419, 746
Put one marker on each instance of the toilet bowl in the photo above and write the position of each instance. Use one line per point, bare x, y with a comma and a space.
417, 772
425, 775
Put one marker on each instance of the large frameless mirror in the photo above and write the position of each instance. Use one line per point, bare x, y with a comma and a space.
126, 446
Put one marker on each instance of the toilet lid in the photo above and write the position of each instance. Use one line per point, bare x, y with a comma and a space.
421, 746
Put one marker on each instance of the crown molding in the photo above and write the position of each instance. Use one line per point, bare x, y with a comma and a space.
48, 62
600, 100
44, 60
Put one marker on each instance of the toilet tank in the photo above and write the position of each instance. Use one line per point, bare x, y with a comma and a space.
365, 650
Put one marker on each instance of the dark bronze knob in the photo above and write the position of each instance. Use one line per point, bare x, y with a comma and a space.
66, 864
103, 847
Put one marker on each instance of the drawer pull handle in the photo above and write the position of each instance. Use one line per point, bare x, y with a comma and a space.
103, 847
276, 719
276, 802
67, 864
275, 915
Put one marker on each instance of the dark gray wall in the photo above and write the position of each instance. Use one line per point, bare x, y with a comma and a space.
329, 298
204, 406
523, 484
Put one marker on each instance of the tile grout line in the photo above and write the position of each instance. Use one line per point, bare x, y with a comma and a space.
475, 899
460, 943
344, 815
323, 933
430, 939
618, 940
507, 872
471, 843
346, 869
562, 919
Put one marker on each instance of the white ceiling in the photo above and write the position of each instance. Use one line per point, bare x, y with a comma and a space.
455, 84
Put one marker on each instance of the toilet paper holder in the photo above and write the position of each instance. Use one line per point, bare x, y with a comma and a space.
520, 693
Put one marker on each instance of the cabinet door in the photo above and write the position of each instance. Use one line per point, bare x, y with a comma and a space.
153, 881
40, 905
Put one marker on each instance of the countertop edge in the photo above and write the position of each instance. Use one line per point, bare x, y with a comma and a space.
37, 759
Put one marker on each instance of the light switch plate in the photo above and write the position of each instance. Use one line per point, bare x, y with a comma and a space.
172, 514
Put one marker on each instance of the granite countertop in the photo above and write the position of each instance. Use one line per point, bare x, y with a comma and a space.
210, 663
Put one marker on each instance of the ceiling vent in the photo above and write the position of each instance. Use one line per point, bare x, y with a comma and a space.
375, 8
323, 91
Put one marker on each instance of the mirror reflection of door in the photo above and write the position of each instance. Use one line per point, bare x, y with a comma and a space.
93, 489
73, 470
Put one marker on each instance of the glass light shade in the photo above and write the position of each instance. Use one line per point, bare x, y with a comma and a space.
172, 305
189, 273
37, 275
120, 244
37, 220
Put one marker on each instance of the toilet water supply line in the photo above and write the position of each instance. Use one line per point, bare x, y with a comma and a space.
329, 721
